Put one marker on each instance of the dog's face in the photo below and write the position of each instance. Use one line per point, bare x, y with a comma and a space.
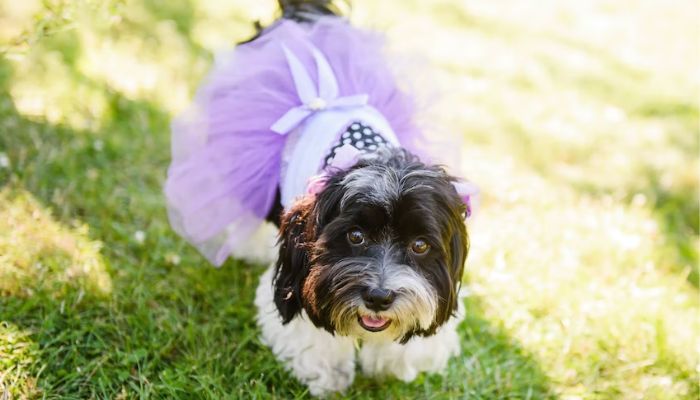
378, 252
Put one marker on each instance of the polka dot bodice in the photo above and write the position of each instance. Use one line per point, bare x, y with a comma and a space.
362, 137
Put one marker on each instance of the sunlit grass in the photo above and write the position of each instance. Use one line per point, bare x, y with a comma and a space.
579, 122
18, 355
37, 253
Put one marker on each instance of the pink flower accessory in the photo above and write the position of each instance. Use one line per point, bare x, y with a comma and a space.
316, 184
469, 193
345, 157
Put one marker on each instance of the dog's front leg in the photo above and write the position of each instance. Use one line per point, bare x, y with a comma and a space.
323, 362
406, 361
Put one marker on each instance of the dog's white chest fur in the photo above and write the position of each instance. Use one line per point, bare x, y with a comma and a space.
326, 363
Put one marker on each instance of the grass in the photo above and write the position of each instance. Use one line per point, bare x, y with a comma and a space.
579, 120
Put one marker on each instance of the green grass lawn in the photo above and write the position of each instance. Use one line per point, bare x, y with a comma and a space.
579, 121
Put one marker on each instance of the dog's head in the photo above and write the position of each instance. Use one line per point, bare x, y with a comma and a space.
378, 252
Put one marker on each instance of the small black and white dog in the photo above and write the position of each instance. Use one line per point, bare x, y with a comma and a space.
376, 256
372, 241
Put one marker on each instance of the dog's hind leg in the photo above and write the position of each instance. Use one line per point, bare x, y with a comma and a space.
261, 248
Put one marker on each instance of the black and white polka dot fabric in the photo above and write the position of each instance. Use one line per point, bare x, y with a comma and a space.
362, 137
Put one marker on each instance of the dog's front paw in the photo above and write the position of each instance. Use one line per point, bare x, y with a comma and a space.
405, 361
323, 381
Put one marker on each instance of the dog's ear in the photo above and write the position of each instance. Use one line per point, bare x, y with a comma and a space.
459, 248
293, 262
452, 211
298, 232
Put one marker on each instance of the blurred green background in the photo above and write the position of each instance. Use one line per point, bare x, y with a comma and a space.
579, 121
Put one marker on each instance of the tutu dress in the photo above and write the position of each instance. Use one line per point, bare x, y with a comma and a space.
271, 114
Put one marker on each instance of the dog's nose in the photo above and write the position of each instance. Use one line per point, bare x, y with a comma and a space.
377, 299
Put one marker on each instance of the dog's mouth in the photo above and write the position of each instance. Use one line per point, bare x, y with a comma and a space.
373, 324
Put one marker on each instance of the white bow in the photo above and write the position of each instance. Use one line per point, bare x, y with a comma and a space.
312, 100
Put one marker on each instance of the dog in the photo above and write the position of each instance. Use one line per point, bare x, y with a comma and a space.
304, 126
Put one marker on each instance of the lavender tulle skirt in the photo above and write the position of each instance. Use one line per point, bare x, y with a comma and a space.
226, 160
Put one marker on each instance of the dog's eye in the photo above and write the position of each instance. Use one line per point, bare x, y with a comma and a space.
356, 236
420, 246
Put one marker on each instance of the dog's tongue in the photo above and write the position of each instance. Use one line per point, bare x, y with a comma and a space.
373, 322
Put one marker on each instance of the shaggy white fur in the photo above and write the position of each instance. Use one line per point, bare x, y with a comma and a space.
323, 362
326, 363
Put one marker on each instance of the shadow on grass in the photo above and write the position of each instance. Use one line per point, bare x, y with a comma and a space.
492, 366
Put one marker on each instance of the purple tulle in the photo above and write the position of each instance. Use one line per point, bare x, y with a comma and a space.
226, 160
